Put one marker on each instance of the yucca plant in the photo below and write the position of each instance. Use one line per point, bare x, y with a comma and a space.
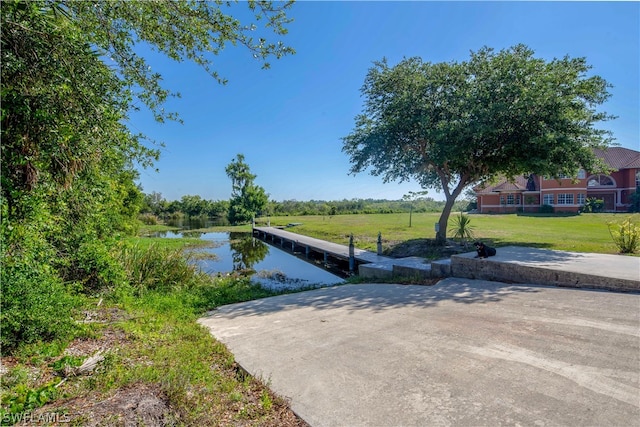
625, 235
462, 229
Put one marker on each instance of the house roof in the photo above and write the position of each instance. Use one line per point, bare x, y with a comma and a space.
616, 157
619, 157
519, 184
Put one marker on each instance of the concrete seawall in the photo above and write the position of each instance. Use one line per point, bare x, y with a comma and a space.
514, 264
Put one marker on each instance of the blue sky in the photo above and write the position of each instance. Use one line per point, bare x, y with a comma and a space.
288, 121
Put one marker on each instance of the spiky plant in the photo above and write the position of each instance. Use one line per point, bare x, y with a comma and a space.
462, 229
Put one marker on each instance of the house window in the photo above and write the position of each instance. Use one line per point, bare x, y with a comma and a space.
548, 199
510, 199
565, 199
600, 181
637, 179
582, 198
582, 174
502, 200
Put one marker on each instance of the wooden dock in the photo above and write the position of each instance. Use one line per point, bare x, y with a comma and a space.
309, 244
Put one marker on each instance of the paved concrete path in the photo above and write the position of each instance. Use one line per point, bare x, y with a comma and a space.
462, 353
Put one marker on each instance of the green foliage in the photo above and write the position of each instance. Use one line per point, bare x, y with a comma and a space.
577, 233
35, 303
247, 198
635, 201
195, 206
462, 228
93, 267
265, 400
593, 205
179, 29
451, 125
68, 160
357, 206
148, 219
24, 399
625, 235
61, 107
66, 362
546, 209
157, 268
169, 349
68, 173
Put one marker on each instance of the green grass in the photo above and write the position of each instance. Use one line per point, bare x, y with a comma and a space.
154, 343
167, 242
579, 233
160, 344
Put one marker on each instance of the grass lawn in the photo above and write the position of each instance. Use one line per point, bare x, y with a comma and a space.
579, 233
159, 366
157, 352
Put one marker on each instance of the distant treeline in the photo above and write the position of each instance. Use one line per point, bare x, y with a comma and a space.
192, 206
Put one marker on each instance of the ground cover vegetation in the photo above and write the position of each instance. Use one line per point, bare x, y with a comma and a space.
74, 289
97, 326
453, 125
580, 233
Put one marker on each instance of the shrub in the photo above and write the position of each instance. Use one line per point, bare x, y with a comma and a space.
635, 201
94, 266
625, 235
546, 209
462, 228
157, 268
593, 205
148, 219
35, 305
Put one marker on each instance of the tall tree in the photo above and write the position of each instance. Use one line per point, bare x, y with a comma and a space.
247, 198
58, 92
70, 75
452, 125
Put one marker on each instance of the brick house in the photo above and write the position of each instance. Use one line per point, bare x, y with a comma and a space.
529, 194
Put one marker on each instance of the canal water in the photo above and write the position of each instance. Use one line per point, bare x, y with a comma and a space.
268, 265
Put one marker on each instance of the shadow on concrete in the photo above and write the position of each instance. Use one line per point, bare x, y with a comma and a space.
536, 255
503, 242
380, 297
528, 254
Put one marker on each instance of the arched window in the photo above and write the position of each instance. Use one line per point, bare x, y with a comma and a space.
638, 179
600, 181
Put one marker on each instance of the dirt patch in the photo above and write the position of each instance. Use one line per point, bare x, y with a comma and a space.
111, 338
139, 404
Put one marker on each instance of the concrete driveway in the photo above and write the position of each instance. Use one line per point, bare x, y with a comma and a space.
461, 353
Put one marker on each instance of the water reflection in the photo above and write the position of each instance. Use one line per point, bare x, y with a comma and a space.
246, 251
241, 253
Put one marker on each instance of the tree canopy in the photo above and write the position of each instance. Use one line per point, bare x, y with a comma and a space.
452, 125
247, 198
70, 76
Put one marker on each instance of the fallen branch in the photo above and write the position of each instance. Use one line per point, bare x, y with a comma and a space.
87, 367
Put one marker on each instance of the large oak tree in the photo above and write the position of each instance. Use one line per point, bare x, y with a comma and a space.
452, 125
